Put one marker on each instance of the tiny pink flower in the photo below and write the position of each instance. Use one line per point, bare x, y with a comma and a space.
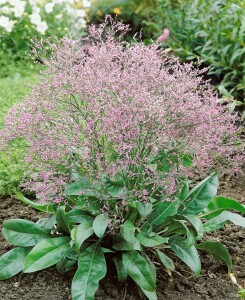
164, 35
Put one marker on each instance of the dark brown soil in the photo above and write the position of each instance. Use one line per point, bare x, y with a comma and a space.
213, 283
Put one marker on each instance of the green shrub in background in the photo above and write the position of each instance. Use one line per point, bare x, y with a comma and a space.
22, 20
12, 90
136, 13
213, 31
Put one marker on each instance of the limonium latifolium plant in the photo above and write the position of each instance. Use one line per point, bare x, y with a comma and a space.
112, 133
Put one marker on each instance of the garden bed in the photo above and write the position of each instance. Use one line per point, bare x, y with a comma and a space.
213, 283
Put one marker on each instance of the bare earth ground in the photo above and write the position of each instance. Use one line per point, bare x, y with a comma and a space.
214, 283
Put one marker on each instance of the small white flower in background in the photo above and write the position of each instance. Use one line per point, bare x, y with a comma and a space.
86, 3
49, 7
42, 27
33, 2
35, 9
35, 18
10, 26
19, 8
6, 23
5, 10
80, 13
79, 24
3, 1
57, 1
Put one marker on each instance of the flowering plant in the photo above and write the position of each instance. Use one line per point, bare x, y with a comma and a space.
112, 133
21, 20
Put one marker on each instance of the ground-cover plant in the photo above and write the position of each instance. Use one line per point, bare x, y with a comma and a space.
112, 132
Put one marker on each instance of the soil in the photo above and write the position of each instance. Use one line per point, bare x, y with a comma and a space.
213, 283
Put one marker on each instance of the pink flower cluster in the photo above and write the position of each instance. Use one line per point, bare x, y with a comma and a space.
105, 106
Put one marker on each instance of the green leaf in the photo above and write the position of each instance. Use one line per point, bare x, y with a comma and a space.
150, 295
139, 270
165, 260
65, 265
81, 232
144, 208
221, 219
188, 255
121, 272
78, 216
218, 250
49, 223
152, 241
82, 187
184, 192
114, 188
126, 240
161, 212
46, 253
12, 262
195, 222
199, 197
189, 232
39, 206
62, 220
23, 233
91, 269
187, 160
100, 224
219, 204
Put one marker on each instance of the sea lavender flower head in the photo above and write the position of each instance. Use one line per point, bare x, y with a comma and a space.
106, 107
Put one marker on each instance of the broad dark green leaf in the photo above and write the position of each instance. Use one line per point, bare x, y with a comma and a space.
82, 187
23, 233
184, 192
46, 253
81, 232
121, 272
49, 207
62, 221
144, 208
218, 250
186, 230
139, 270
12, 262
114, 188
78, 216
152, 241
195, 222
65, 265
199, 197
126, 240
161, 212
91, 269
221, 219
188, 255
165, 260
100, 224
49, 223
150, 295
219, 204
